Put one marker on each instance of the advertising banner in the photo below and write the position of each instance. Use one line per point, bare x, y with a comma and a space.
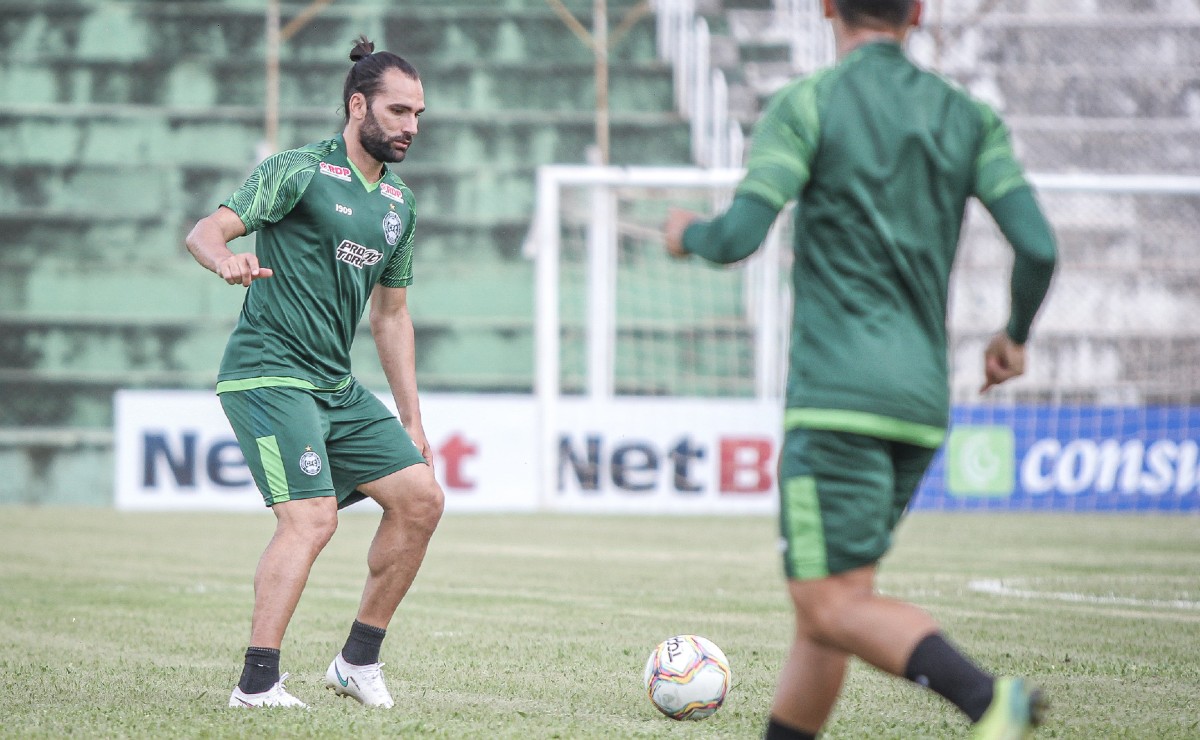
175, 450
1067, 458
667, 455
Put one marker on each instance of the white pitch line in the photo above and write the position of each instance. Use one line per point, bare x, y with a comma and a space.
998, 588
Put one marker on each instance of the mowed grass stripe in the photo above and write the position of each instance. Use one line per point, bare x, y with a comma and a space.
528, 626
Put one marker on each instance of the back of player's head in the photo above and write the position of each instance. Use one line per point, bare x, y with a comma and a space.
366, 76
890, 13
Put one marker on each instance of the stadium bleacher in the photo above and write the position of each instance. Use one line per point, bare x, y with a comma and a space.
1105, 88
122, 122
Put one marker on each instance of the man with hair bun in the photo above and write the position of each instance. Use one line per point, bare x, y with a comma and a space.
335, 231
882, 158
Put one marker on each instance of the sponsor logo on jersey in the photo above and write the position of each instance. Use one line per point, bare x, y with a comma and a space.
347, 210
356, 255
390, 191
333, 170
310, 462
393, 227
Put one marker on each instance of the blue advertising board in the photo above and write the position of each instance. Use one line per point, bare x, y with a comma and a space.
1067, 458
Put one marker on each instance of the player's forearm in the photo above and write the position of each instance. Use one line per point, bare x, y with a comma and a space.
735, 234
207, 245
396, 343
1021, 221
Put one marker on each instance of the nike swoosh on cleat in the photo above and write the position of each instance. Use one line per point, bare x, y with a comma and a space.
243, 701
344, 681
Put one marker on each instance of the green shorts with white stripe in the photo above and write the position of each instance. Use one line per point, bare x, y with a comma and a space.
841, 495
304, 443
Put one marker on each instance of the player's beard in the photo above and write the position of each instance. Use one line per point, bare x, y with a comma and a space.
378, 144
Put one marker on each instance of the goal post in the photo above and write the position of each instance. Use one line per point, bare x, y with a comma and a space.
1107, 416
597, 232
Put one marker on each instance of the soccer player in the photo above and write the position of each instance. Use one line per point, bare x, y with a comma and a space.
335, 231
882, 157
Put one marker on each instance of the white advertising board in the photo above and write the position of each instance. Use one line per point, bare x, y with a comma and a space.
667, 455
175, 450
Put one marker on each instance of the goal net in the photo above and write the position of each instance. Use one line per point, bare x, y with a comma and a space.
1106, 418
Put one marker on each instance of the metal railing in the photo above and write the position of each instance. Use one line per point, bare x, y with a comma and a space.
808, 33
701, 92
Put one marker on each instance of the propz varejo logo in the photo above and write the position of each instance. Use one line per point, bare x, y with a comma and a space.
357, 255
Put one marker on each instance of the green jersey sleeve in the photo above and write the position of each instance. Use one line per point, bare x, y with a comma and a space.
735, 234
784, 144
1022, 222
274, 188
997, 171
398, 273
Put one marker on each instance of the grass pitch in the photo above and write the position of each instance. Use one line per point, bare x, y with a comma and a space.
537, 626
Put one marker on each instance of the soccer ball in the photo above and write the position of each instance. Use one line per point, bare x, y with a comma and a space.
687, 677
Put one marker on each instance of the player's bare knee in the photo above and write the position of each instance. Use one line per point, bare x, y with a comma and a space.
315, 529
821, 616
426, 505
323, 530
418, 502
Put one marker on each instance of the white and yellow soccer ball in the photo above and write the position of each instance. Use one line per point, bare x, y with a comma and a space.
687, 677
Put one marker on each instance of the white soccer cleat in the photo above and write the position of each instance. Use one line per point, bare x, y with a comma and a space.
361, 682
276, 696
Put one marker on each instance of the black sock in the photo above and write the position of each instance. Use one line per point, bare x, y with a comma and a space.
261, 671
935, 663
362, 646
779, 731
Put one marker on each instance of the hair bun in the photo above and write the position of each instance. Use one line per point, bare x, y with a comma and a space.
362, 48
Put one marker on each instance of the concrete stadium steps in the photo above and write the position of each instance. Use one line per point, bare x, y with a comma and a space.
1101, 300
38, 400
1101, 228
74, 333
634, 86
1120, 266
477, 166
50, 210
1104, 39
1085, 85
68, 367
160, 169
1112, 145
33, 186
1081, 368
479, 33
229, 135
120, 289
1118, 324
1086, 91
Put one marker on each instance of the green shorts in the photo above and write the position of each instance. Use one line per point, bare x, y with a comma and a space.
841, 495
303, 443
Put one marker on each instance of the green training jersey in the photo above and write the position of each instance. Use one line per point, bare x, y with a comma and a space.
881, 157
330, 237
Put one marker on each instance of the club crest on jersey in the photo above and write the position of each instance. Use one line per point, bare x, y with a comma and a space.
334, 171
356, 255
392, 228
390, 191
310, 462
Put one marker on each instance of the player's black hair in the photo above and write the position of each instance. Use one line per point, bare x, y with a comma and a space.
366, 74
890, 13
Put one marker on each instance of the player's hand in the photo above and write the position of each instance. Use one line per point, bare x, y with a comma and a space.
417, 434
1003, 359
242, 269
677, 222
